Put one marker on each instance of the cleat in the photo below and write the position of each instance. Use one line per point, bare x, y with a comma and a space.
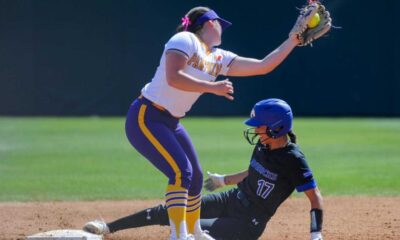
188, 237
98, 227
203, 235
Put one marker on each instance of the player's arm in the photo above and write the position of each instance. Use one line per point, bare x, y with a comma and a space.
216, 180
236, 178
176, 62
315, 197
242, 66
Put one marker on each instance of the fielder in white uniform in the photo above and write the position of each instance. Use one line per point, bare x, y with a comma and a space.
202, 64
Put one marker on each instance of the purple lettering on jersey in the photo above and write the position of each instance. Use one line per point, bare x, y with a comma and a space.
263, 171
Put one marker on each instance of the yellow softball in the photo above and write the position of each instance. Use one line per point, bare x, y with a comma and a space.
314, 21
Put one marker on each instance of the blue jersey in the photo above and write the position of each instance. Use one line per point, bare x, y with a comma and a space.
274, 175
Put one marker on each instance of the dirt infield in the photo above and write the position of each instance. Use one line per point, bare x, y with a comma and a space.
358, 218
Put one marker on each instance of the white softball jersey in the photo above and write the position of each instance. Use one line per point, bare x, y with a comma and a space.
201, 64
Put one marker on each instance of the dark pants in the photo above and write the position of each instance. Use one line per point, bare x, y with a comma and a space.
229, 215
226, 215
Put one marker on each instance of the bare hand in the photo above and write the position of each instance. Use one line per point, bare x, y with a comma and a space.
294, 38
223, 88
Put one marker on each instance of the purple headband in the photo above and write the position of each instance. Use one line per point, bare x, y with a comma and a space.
211, 15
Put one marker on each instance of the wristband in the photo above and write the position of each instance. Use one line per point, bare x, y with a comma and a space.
316, 220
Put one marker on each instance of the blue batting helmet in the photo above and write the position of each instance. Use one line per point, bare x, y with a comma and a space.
274, 113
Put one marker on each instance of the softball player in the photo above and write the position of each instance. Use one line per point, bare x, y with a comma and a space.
189, 66
277, 167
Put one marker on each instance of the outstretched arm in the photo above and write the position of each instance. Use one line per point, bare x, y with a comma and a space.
242, 66
216, 180
236, 178
315, 197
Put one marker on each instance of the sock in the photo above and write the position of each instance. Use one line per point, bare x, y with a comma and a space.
176, 200
193, 213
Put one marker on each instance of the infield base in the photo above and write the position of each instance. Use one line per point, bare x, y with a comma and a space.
66, 234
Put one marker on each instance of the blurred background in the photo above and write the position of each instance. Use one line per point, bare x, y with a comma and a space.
92, 57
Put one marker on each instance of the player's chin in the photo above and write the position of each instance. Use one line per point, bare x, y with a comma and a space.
217, 44
220, 39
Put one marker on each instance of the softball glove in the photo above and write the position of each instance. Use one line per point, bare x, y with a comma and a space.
305, 34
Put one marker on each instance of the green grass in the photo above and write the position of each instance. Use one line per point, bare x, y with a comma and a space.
90, 158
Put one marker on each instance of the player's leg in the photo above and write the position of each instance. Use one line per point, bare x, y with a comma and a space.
157, 215
225, 217
219, 228
151, 216
231, 228
150, 131
212, 206
194, 199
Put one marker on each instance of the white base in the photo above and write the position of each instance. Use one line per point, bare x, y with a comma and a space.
66, 234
